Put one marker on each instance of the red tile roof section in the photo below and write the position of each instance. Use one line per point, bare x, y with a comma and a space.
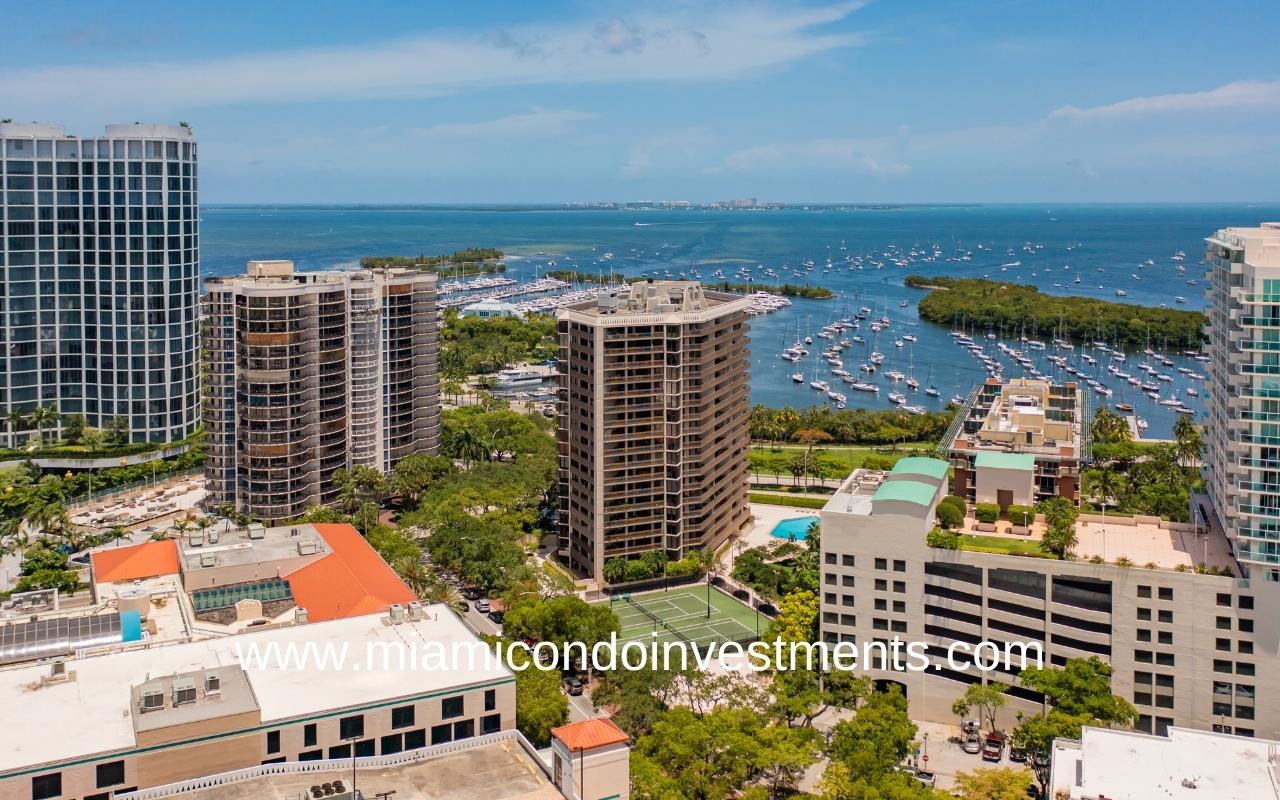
146, 560
352, 580
590, 734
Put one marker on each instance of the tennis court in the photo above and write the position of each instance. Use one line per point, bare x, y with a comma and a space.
681, 615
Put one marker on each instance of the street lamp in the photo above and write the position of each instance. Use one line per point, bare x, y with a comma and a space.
353, 740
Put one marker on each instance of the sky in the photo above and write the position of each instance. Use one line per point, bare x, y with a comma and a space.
496, 102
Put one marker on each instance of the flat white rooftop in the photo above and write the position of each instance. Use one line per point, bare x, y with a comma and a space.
1186, 765
92, 713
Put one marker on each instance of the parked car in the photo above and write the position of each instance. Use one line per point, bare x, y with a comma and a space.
993, 746
482, 605
464, 606
927, 778
1017, 754
971, 726
497, 616
573, 685
471, 593
972, 744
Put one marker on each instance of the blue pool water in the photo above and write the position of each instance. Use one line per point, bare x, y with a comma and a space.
794, 529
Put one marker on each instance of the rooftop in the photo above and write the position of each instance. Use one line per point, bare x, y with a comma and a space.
1022, 416
135, 562
590, 734
494, 767
1185, 765
92, 712
914, 492
919, 465
1261, 245
865, 488
642, 301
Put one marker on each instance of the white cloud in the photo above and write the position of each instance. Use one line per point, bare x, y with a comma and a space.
691, 43
1240, 94
538, 122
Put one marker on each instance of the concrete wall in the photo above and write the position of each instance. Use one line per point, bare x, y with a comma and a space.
990, 481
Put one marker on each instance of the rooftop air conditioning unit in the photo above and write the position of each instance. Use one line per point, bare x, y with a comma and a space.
212, 684
208, 560
257, 531
301, 616
306, 547
184, 692
397, 612
212, 537
151, 700
416, 611
195, 539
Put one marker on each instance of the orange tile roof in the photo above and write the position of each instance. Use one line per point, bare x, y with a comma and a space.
145, 560
352, 580
590, 734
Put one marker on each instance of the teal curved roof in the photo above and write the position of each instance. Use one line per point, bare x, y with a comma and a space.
919, 465
915, 492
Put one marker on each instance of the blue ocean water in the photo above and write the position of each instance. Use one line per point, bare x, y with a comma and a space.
1107, 246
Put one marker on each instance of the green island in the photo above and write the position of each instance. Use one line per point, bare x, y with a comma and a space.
471, 261
1015, 307
786, 289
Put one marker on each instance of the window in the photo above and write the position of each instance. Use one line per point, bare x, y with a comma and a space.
882, 604
45, 786
831, 558
898, 626
846, 600
309, 735
1144, 635
899, 607
112, 774
491, 723
1165, 681
451, 707
1221, 666
1224, 599
351, 727
1142, 698
848, 581
829, 579
882, 563
1245, 626
1164, 701
1222, 710
464, 729
900, 587
1142, 678
440, 734
1223, 644
1165, 593
1246, 648
1243, 668
415, 739
829, 598
1164, 616
311, 755
1164, 637
392, 744
402, 717
340, 751
847, 560
880, 624
1246, 603
1224, 623
899, 565
882, 585
1143, 656
1164, 659
365, 748
1144, 614
273, 743
490, 699
1144, 592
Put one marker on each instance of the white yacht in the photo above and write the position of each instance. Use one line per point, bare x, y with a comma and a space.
518, 379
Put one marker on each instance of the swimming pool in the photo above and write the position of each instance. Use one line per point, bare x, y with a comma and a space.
793, 529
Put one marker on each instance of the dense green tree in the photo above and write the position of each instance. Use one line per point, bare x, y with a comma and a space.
567, 618
73, 426
876, 739
993, 784
987, 699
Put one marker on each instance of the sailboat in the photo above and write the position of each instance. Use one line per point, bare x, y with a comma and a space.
930, 389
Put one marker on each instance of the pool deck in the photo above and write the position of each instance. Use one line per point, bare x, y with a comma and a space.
764, 519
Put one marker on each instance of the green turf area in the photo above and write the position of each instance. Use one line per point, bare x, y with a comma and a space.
682, 616
999, 544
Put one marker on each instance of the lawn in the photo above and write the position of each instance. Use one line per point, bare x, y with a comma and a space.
832, 461
784, 500
1000, 544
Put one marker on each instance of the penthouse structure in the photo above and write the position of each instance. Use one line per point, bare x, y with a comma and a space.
1189, 649
653, 430
1242, 405
136, 718
308, 373
1019, 442
99, 267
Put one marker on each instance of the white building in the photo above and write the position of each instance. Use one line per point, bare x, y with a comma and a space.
1242, 444
100, 258
485, 309
1185, 765
1188, 649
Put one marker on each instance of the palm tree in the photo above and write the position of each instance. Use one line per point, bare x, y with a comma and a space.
16, 420
470, 446
1108, 427
415, 576
117, 533
1187, 442
43, 417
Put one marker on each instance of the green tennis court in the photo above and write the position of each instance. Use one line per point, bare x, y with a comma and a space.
681, 615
